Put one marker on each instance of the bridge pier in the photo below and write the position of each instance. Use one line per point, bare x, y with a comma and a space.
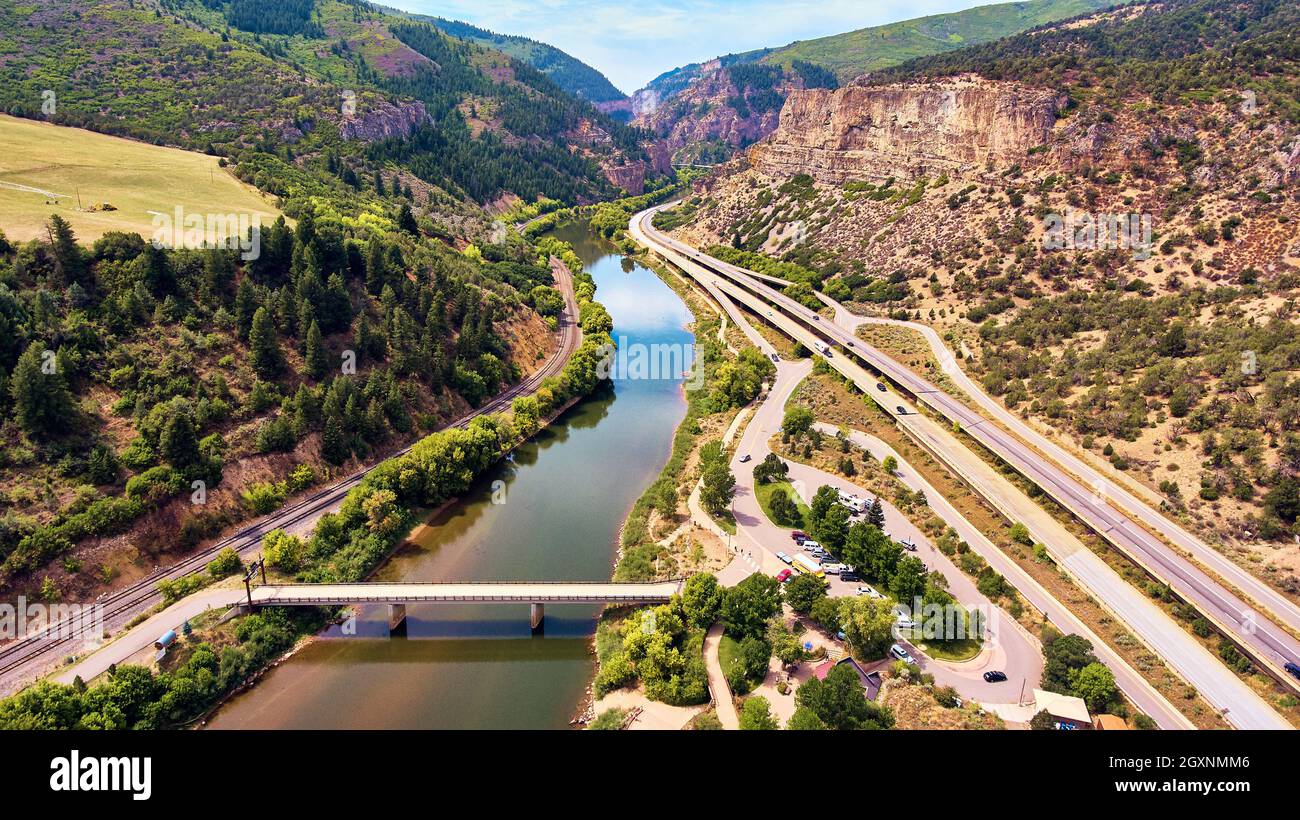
396, 618
536, 616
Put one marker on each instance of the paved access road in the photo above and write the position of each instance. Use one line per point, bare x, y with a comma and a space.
24, 660
1009, 649
1240, 705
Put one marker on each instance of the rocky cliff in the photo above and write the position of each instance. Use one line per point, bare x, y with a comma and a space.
385, 120
711, 109
962, 127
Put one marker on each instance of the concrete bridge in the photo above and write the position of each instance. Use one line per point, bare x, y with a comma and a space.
397, 595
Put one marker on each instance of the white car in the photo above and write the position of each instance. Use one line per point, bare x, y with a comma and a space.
901, 654
833, 569
904, 622
908, 544
811, 545
870, 591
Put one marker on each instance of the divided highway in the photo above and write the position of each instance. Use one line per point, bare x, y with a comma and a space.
23, 660
1268, 643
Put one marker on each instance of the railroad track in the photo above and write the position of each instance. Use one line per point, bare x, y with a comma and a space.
142, 595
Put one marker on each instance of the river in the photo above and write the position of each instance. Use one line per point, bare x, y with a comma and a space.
550, 513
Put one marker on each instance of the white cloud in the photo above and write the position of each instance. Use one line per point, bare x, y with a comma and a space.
634, 42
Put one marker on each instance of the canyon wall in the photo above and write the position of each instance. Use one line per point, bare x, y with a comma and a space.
963, 127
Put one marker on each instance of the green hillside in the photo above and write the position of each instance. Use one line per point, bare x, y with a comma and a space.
566, 71
869, 49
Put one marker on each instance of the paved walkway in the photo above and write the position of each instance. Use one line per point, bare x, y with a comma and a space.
722, 700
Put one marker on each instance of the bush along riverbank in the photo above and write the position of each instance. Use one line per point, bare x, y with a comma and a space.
345, 546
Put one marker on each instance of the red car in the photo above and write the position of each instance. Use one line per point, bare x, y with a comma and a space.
799, 536
784, 575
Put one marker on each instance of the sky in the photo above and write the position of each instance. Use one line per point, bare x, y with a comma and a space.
634, 42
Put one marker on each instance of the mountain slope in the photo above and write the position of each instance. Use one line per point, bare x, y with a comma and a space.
566, 71
876, 47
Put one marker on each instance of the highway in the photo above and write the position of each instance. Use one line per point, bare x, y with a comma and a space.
1282, 608
1254, 631
21, 661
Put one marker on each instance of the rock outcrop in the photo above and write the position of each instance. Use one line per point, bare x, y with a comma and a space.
385, 120
963, 127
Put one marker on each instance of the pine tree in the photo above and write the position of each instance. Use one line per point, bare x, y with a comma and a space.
40, 393
406, 220
333, 446
179, 442
876, 514
264, 346
245, 307
315, 363
69, 260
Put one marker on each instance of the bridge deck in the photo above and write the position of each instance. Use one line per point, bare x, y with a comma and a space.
522, 592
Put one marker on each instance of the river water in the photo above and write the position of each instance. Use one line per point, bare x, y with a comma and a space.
550, 513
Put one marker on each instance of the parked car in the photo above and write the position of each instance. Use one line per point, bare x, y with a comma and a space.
995, 677
785, 557
1293, 668
799, 535
908, 544
904, 622
850, 575
899, 652
881, 387
869, 591
784, 575
809, 544
746, 457
833, 569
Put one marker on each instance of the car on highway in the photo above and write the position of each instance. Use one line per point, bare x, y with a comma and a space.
899, 652
1293, 668
776, 359
785, 557
745, 458
881, 387
902, 411
799, 536
850, 344
870, 591
816, 318
995, 677
784, 575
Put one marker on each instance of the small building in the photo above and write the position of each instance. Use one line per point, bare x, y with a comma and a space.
870, 680
1067, 711
1115, 722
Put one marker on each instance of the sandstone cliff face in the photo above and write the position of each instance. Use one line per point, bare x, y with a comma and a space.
959, 126
384, 121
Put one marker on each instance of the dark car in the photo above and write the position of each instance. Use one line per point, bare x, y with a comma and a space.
850, 575
850, 344
745, 458
995, 677
902, 411
1293, 668
799, 535
816, 318
881, 387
